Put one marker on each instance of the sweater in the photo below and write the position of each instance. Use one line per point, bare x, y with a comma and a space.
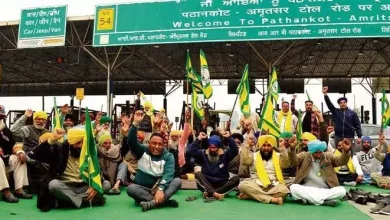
151, 169
346, 121
217, 172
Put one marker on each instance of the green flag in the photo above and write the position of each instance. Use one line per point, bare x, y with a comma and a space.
192, 76
198, 109
89, 163
299, 126
385, 110
243, 92
204, 71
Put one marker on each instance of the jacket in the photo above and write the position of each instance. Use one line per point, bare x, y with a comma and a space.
217, 172
151, 169
7, 143
303, 161
346, 121
57, 158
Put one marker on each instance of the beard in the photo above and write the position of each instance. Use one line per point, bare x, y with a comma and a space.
173, 144
75, 152
266, 156
366, 148
213, 158
39, 127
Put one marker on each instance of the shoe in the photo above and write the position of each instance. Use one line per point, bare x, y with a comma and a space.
332, 203
375, 198
114, 192
171, 203
23, 195
10, 199
352, 183
362, 200
385, 210
378, 207
97, 201
359, 192
145, 206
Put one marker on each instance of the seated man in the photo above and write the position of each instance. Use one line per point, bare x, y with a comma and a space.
266, 183
365, 161
234, 165
316, 181
64, 181
382, 179
346, 174
154, 182
109, 157
213, 179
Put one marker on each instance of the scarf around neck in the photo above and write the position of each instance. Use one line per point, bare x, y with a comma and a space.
287, 122
262, 173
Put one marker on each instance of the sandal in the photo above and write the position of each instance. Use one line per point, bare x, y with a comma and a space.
114, 192
209, 200
191, 198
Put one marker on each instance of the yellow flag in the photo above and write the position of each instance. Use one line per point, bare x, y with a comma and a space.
204, 70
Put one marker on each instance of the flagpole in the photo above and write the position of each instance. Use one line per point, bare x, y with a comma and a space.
188, 87
89, 182
234, 105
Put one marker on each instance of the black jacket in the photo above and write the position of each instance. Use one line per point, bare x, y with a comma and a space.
346, 121
57, 157
7, 142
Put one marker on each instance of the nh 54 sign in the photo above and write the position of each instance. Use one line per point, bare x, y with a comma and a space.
179, 21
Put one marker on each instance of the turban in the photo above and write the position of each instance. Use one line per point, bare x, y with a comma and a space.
215, 140
75, 135
44, 137
286, 135
40, 114
366, 139
238, 136
316, 145
103, 138
266, 138
342, 99
308, 136
104, 120
162, 110
147, 105
175, 133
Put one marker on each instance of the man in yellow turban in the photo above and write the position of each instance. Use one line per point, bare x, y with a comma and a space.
266, 184
30, 135
63, 159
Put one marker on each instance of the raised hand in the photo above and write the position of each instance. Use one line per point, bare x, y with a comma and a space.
28, 113
346, 145
226, 134
138, 117
325, 90
202, 136
294, 97
65, 109
293, 142
57, 134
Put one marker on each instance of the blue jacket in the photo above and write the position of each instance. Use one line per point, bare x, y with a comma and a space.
346, 121
218, 172
386, 165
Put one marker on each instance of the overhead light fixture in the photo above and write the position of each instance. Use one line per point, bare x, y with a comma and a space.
169, 57
228, 44
235, 73
311, 56
156, 46
178, 66
49, 61
319, 42
297, 74
304, 67
361, 53
231, 55
349, 75
375, 41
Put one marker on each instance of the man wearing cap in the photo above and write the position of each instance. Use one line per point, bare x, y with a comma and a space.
346, 121
109, 158
266, 184
365, 161
316, 180
63, 185
310, 121
213, 180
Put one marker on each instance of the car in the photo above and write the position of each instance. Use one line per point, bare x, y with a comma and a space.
372, 131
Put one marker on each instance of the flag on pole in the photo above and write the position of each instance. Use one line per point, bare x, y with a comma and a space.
268, 121
308, 97
243, 92
196, 104
89, 163
192, 76
299, 126
385, 110
204, 70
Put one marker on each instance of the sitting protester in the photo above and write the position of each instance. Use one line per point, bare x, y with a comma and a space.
63, 185
154, 182
316, 181
346, 174
214, 179
382, 179
266, 184
109, 157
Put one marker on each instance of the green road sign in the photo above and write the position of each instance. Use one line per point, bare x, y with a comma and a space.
42, 27
179, 21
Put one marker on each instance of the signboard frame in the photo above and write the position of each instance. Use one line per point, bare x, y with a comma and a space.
46, 37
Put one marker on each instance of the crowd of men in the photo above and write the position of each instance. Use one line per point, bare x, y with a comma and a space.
151, 159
